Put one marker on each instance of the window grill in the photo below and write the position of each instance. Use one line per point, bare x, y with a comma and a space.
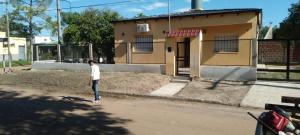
144, 44
226, 43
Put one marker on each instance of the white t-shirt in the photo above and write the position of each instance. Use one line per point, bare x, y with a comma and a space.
95, 74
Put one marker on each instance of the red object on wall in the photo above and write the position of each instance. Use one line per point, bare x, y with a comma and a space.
184, 33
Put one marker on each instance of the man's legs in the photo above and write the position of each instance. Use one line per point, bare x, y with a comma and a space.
95, 88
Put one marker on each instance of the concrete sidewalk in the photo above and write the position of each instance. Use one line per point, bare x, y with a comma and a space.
264, 92
169, 90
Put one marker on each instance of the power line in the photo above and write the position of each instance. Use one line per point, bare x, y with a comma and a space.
130, 2
94, 5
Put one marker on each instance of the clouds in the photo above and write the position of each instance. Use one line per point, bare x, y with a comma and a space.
156, 5
135, 10
183, 9
150, 7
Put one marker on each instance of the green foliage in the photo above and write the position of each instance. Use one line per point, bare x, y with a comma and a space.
27, 19
140, 15
91, 26
263, 32
16, 63
289, 28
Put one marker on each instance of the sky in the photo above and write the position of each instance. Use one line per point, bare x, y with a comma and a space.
273, 10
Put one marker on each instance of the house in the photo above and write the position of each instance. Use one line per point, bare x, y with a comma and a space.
214, 44
44, 48
17, 48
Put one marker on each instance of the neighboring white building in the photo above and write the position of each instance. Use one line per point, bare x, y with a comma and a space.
41, 40
18, 48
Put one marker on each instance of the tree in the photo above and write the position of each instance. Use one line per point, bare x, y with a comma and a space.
140, 15
263, 32
289, 28
91, 26
30, 15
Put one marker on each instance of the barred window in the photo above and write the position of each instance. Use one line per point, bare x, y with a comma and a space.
6, 45
226, 43
144, 44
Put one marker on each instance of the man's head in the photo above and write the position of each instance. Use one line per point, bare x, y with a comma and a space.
91, 62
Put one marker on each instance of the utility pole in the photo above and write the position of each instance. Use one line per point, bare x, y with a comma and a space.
58, 30
169, 15
8, 35
30, 31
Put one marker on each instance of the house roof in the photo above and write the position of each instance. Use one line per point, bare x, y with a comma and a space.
194, 13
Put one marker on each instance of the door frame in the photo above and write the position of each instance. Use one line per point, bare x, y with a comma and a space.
186, 58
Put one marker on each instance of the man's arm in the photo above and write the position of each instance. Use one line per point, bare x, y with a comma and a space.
91, 77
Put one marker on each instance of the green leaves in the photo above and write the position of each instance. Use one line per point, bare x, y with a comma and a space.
289, 28
26, 15
91, 26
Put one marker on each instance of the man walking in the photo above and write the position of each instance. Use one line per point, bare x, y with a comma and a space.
94, 80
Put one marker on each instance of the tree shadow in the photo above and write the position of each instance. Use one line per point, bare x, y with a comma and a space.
43, 115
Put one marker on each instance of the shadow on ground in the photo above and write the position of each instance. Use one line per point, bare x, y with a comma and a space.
42, 115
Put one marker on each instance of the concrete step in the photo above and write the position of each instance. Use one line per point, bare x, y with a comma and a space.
181, 79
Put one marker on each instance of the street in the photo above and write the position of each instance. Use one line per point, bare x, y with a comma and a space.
31, 112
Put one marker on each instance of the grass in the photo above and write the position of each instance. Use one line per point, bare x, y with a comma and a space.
16, 63
278, 75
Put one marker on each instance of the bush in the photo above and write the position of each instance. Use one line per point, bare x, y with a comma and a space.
16, 63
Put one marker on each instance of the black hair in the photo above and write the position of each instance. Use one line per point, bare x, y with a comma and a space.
90, 62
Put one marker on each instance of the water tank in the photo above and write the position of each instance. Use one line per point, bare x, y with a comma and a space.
196, 5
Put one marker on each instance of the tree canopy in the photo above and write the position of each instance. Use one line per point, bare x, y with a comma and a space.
289, 28
27, 18
91, 26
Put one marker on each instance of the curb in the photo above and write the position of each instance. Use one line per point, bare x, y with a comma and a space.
122, 95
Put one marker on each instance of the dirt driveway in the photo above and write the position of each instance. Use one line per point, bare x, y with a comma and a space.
31, 112
225, 92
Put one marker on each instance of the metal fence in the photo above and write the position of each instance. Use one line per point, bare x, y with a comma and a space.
279, 60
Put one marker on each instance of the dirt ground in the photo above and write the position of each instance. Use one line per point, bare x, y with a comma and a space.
77, 82
30, 112
229, 93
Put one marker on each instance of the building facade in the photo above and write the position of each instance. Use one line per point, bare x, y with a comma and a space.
213, 44
17, 48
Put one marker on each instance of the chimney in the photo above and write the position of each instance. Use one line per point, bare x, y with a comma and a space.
196, 5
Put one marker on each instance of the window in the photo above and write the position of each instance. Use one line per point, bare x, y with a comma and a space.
226, 43
143, 44
6, 45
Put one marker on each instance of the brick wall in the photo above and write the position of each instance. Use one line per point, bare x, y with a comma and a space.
274, 52
271, 52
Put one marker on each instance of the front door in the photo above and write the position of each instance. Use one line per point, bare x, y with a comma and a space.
183, 57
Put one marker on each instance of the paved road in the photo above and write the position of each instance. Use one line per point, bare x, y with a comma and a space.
29, 113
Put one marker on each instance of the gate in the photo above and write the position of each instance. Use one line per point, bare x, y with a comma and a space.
278, 60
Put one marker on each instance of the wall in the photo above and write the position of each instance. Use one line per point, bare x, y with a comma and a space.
14, 49
139, 68
121, 53
233, 73
240, 58
275, 52
155, 57
271, 52
244, 24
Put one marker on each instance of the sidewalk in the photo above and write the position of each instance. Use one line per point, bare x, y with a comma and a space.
269, 92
